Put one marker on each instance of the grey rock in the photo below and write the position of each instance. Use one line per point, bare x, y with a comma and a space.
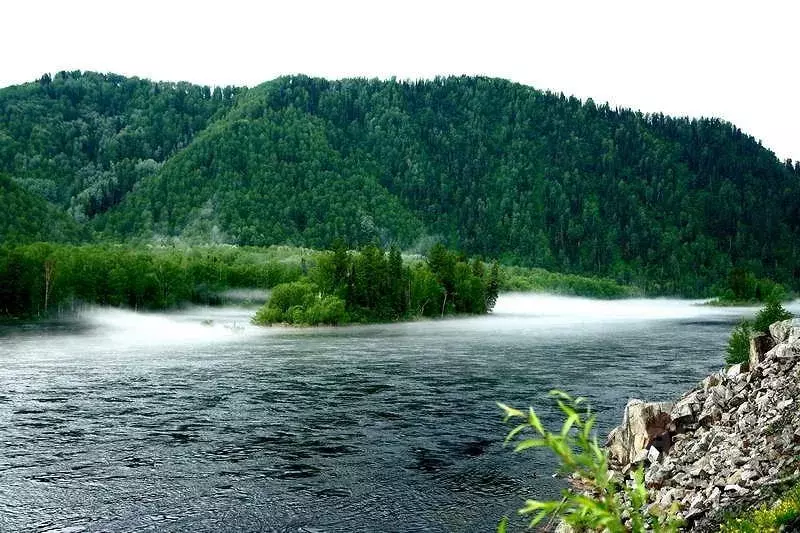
642, 423
686, 408
785, 351
653, 454
735, 433
740, 491
784, 404
734, 371
563, 527
781, 331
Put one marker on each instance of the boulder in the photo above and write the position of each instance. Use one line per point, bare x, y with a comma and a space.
734, 371
643, 424
685, 411
784, 351
780, 331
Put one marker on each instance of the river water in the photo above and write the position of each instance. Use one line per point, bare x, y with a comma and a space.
198, 421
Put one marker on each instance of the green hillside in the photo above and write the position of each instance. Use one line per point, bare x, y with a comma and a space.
82, 140
272, 180
494, 168
26, 217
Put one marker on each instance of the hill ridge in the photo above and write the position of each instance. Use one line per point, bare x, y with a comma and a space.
494, 167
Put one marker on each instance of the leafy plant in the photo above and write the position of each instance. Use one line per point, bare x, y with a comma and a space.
772, 312
768, 518
606, 503
739, 344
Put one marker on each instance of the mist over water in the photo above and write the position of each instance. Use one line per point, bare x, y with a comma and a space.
565, 309
197, 420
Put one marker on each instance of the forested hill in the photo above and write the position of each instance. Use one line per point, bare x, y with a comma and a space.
26, 217
492, 167
82, 140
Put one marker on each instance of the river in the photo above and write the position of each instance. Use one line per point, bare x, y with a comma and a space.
198, 421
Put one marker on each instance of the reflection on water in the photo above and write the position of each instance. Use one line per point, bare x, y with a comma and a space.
199, 421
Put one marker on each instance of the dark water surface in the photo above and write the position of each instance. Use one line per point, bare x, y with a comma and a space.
126, 422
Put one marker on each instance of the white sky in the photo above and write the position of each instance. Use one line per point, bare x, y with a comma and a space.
735, 60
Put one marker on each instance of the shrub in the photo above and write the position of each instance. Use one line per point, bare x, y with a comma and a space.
268, 315
739, 344
608, 504
287, 295
769, 314
326, 310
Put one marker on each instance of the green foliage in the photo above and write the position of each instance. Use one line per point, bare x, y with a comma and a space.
493, 286
494, 168
38, 279
374, 286
288, 295
601, 506
781, 515
739, 344
772, 312
277, 179
301, 303
738, 350
26, 217
83, 140
514, 278
743, 286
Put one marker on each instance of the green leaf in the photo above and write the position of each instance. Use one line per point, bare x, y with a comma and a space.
568, 423
587, 426
510, 412
566, 409
501, 527
560, 394
513, 432
530, 443
533, 420
538, 518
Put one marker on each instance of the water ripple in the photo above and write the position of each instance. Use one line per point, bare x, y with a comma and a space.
378, 428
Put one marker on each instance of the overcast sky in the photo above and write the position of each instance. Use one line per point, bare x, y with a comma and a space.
735, 60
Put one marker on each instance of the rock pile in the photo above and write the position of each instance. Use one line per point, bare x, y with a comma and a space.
725, 442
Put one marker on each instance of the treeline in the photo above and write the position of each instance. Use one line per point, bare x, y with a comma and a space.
539, 280
40, 279
373, 285
744, 287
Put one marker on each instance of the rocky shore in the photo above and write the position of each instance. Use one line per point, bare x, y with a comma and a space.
728, 444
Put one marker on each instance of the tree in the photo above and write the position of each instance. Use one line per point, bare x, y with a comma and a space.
493, 287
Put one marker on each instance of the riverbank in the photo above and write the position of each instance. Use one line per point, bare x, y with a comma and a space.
730, 444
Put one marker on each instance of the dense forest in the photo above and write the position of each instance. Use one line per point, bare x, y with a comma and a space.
45, 278
496, 169
366, 285
83, 140
27, 217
